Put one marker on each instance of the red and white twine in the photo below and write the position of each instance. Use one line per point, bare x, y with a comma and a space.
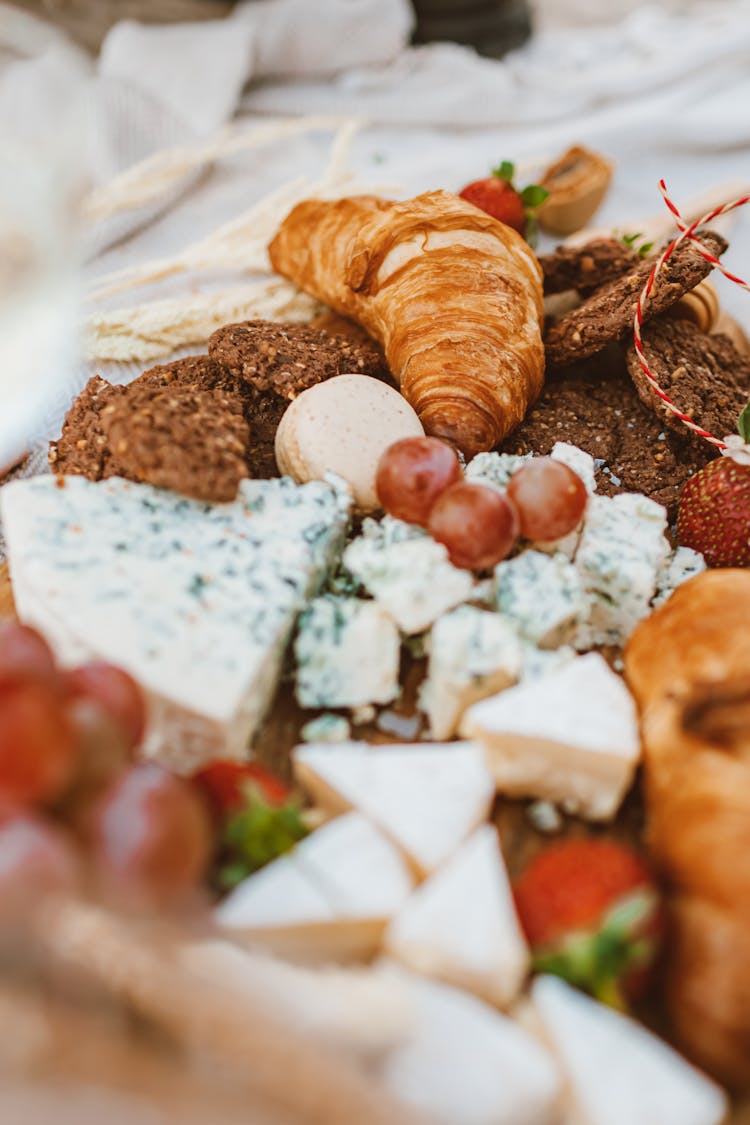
686, 232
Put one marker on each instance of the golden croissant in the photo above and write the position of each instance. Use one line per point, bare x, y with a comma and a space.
454, 297
688, 666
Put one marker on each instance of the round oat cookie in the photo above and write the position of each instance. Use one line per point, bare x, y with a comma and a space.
289, 358
703, 374
608, 313
344, 426
192, 441
588, 267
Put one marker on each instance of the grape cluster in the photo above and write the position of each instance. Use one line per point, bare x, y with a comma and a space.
419, 480
77, 811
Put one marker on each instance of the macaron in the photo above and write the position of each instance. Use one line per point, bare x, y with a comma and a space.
344, 426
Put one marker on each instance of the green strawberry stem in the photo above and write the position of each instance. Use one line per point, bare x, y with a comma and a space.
743, 424
257, 834
505, 171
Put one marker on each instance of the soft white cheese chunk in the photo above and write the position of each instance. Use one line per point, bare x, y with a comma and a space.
622, 550
678, 568
461, 926
197, 601
570, 736
576, 459
617, 1072
345, 872
347, 654
411, 578
495, 469
466, 1064
428, 797
542, 595
473, 654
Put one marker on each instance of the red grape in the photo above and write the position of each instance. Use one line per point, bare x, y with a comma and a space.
412, 474
24, 654
35, 858
550, 498
151, 832
38, 752
477, 524
117, 693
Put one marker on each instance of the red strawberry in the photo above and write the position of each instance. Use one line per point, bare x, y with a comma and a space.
498, 197
591, 914
227, 784
714, 516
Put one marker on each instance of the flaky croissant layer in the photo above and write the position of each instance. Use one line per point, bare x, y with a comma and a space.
454, 297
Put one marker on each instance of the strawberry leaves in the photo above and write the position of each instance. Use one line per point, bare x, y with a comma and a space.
743, 424
259, 833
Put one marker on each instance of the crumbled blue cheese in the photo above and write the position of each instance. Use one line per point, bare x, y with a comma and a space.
622, 550
327, 728
473, 654
495, 469
197, 601
539, 661
678, 568
579, 461
542, 595
411, 578
347, 654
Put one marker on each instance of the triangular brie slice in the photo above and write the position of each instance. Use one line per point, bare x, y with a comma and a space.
332, 896
466, 1063
461, 924
427, 797
618, 1072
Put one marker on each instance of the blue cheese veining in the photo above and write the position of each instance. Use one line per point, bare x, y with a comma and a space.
196, 600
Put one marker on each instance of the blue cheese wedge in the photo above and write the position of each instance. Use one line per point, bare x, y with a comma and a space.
570, 737
618, 1072
347, 654
622, 551
411, 578
197, 601
427, 797
473, 654
543, 596
579, 461
460, 925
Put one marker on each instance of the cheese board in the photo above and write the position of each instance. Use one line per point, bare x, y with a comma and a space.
395, 711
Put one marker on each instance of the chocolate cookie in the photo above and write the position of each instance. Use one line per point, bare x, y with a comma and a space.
83, 448
594, 405
704, 375
187, 439
588, 267
288, 358
608, 313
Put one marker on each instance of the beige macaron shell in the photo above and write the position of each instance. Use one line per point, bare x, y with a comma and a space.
344, 426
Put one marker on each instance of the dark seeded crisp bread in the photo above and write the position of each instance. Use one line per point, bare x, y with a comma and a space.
704, 375
588, 267
190, 440
608, 313
288, 358
82, 448
595, 406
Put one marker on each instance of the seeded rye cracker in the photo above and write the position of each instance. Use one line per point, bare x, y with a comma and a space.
289, 358
588, 267
608, 313
704, 375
